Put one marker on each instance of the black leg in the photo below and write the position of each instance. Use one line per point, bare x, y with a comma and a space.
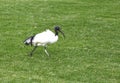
33, 50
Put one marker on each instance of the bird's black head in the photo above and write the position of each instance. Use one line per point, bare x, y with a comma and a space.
57, 28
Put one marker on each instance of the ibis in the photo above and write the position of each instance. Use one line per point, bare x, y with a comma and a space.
43, 39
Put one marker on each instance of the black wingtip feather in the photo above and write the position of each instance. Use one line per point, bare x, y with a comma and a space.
31, 39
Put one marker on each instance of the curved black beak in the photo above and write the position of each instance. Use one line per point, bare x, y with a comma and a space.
62, 33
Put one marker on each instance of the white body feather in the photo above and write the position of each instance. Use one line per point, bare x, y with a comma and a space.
46, 37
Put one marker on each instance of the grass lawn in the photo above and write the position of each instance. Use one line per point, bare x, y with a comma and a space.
90, 53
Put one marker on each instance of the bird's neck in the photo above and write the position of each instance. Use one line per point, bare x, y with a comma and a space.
56, 33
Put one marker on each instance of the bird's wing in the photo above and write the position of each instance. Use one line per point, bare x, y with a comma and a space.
43, 37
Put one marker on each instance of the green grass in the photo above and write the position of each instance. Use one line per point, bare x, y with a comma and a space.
89, 54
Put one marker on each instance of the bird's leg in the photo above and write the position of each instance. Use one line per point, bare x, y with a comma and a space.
46, 50
33, 50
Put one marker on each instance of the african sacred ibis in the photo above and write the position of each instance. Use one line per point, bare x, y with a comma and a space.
43, 38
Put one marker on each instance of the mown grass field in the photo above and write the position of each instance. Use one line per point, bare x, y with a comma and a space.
90, 53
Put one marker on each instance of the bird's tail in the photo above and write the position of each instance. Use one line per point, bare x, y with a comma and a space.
29, 40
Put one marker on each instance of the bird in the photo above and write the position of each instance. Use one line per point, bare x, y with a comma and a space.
43, 39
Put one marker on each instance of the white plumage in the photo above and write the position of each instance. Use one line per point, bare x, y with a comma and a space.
46, 37
43, 38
